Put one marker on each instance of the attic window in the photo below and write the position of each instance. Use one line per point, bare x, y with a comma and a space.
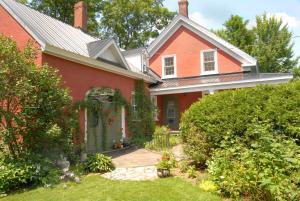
209, 64
169, 66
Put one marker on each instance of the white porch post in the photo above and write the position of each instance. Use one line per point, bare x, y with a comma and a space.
123, 123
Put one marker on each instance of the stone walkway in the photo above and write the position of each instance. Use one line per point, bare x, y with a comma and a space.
133, 174
139, 164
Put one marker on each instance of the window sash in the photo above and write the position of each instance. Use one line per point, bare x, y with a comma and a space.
209, 61
169, 66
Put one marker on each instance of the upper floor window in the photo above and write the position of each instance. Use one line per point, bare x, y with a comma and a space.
169, 66
209, 64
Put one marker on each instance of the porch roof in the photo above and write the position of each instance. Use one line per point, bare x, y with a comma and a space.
218, 82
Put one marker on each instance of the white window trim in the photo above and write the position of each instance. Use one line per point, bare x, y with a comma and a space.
216, 71
163, 66
154, 102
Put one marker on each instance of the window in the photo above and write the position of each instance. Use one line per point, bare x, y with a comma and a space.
209, 63
169, 66
134, 105
171, 110
155, 109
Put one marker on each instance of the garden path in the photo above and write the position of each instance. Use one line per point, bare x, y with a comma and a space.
136, 165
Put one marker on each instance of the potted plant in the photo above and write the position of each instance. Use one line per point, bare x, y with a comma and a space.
163, 168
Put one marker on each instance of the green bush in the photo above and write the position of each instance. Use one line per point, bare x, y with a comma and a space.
29, 171
229, 114
161, 139
98, 163
259, 165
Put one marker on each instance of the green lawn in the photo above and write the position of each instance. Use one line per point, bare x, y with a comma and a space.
100, 189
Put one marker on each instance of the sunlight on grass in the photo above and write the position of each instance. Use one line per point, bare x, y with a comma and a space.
97, 188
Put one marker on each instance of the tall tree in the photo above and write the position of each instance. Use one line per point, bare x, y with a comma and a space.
270, 41
273, 45
237, 33
132, 22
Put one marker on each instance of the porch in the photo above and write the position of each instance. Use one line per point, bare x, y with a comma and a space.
174, 96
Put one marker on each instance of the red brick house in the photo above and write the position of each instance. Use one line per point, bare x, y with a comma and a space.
192, 62
84, 62
183, 64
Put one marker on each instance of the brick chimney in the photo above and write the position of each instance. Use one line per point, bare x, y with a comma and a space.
80, 16
183, 7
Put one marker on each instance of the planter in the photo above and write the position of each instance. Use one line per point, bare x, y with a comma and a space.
163, 172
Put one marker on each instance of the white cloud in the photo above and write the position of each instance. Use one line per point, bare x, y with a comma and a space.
291, 21
202, 20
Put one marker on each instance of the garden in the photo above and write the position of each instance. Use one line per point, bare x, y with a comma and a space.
239, 144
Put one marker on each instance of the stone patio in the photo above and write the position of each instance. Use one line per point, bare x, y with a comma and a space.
138, 164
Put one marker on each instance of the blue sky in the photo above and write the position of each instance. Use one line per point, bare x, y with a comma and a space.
213, 13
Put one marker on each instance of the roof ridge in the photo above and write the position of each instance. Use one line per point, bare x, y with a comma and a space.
48, 16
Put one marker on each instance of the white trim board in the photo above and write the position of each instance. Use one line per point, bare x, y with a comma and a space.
220, 86
90, 62
181, 21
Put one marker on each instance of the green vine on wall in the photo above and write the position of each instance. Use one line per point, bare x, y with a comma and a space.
96, 102
141, 120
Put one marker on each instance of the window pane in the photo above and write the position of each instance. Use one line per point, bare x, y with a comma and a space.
209, 66
169, 61
169, 70
209, 56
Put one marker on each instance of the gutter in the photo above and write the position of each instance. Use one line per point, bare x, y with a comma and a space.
91, 62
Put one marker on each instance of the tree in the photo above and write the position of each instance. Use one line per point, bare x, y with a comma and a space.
34, 110
134, 22
270, 41
64, 11
273, 45
237, 33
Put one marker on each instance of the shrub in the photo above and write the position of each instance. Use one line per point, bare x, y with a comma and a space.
208, 186
192, 172
29, 171
259, 165
229, 114
98, 163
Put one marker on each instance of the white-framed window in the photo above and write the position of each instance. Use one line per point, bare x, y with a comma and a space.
169, 66
209, 62
134, 105
155, 108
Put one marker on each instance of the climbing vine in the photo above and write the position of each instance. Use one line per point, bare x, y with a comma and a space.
100, 102
141, 116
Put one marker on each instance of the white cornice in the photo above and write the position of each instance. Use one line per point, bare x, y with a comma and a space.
221, 85
91, 62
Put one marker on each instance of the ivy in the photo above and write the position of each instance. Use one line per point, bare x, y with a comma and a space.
141, 119
95, 102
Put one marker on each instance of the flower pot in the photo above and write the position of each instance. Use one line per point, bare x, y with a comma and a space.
163, 172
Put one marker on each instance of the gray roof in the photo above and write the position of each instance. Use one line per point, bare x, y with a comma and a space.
51, 31
133, 51
212, 79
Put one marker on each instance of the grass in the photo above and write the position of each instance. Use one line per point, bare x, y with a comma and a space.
98, 188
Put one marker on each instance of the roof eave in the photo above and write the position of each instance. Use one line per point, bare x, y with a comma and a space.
221, 86
91, 62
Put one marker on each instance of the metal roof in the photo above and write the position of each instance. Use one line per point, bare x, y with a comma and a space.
222, 78
51, 31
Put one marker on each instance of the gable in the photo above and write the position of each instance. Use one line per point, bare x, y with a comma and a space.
187, 46
179, 21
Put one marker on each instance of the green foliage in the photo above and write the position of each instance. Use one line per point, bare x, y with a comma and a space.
36, 112
133, 23
140, 121
237, 33
161, 139
270, 41
296, 73
250, 139
98, 163
192, 172
97, 102
32, 170
259, 165
184, 166
168, 161
208, 186
230, 113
